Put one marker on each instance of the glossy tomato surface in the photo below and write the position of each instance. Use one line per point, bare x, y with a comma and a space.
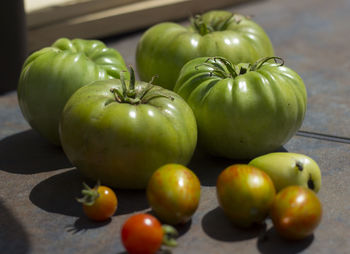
173, 192
51, 75
123, 141
166, 47
142, 234
245, 194
296, 212
104, 206
286, 169
243, 110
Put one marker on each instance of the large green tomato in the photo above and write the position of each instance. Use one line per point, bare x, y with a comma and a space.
166, 47
243, 110
121, 134
51, 75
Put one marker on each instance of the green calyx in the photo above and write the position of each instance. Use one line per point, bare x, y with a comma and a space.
170, 233
136, 95
221, 67
89, 194
204, 28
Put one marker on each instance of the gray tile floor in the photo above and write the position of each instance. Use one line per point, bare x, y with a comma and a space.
38, 213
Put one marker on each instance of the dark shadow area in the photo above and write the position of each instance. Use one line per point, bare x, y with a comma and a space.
271, 242
216, 225
83, 224
13, 237
208, 167
28, 153
183, 228
130, 201
58, 194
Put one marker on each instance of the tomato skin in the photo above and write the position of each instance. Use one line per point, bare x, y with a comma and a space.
296, 212
142, 234
120, 143
287, 169
51, 75
245, 193
166, 47
173, 193
242, 115
104, 206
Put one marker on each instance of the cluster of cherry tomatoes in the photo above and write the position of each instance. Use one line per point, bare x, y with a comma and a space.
246, 194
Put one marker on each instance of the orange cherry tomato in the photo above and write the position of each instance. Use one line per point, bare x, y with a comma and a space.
99, 203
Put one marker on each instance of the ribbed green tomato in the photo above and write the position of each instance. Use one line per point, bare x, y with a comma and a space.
120, 133
242, 110
51, 75
166, 47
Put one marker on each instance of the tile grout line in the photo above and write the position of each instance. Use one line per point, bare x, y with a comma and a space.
323, 136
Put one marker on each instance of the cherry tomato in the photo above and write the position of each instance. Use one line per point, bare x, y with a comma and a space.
99, 203
173, 192
296, 212
144, 234
245, 193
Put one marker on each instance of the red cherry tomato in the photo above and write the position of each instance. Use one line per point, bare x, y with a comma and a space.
144, 234
296, 212
99, 203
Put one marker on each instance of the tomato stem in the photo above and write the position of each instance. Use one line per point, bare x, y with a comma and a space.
136, 95
170, 233
200, 26
204, 28
89, 194
257, 65
222, 68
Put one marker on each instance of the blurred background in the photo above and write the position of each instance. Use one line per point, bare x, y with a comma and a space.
32, 24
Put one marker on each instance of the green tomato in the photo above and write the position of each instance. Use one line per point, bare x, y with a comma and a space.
243, 110
296, 212
166, 47
51, 75
173, 192
287, 169
120, 132
245, 193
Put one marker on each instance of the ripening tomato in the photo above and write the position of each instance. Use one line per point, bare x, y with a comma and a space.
245, 193
296, 212
173, 192
144, 234
99, 203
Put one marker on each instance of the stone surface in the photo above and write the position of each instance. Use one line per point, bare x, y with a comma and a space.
38, 211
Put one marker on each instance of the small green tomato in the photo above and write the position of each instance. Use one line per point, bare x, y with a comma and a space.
173, 193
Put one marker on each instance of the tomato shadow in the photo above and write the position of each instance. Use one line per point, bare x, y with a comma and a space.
58, 193
13, 236
83, 224
271, 242
217, 226
208, 167
28, 153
